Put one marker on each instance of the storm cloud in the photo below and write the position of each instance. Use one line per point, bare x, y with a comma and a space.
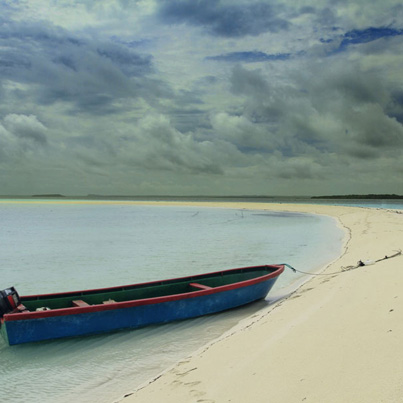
224, 19
88, 73
201, 97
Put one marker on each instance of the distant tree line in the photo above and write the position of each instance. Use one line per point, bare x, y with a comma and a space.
367, 196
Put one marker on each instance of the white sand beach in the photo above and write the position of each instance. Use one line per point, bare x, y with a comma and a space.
336, 339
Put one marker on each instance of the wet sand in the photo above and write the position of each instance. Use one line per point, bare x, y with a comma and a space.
336, 339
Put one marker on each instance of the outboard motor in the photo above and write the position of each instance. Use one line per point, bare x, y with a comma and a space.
9, 300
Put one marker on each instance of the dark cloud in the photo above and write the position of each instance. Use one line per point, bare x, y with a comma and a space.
356, 86
89, 74
335, 110
374, 129
249, 82
302, 170
395, 106
265, 102
250, 57
326, 17
222, 19
130, 63
156, 145
188, 120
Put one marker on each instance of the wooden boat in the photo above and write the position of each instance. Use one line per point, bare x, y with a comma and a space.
78, 313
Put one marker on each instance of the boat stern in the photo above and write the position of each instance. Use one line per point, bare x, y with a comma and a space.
3, 331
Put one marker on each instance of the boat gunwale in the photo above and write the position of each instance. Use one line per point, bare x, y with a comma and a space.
16, 316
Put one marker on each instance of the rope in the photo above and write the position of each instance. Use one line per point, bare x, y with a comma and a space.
399, 252
360, 263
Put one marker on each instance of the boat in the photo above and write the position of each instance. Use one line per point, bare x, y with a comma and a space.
32, 318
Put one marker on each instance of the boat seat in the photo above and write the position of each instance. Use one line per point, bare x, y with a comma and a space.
79, 303
109, 301
200, 286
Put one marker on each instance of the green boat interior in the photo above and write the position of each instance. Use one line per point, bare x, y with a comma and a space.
139, 291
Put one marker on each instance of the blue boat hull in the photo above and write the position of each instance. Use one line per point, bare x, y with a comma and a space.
80, 324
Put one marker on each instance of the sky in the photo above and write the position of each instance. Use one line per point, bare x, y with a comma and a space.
201, 97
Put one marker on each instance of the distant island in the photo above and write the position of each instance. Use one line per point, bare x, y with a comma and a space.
368, 196
49, 195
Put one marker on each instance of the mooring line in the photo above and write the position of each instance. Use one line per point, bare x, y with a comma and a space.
360, 263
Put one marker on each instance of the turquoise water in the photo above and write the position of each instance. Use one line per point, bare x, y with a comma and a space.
51, 247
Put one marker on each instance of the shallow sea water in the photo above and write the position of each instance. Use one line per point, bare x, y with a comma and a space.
52, 247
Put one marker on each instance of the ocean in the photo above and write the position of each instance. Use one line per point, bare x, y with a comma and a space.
49, 246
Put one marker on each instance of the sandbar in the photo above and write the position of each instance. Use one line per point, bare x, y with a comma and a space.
337, 338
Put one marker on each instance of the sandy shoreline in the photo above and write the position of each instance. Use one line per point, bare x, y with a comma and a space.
337, 338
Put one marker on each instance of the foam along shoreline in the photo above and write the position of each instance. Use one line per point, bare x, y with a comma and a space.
337, 338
